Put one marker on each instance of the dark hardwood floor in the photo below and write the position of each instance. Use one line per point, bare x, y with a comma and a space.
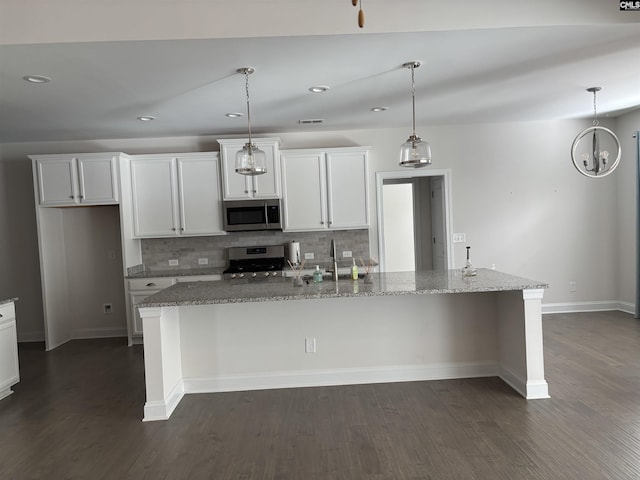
76, 415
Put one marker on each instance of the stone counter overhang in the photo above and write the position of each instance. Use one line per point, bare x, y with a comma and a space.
400, 283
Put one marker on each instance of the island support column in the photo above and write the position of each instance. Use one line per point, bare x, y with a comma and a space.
521, 347
162, 361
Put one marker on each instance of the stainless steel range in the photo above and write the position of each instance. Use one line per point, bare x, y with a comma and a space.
255, 262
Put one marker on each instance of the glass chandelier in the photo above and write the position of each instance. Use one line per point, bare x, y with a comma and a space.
415, 152
250, 160
591, 157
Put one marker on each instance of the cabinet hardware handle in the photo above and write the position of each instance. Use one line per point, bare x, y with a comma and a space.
151, 284
181, 229
255, 191
71, 196
321, 223
246, 191
0, 315
173, 229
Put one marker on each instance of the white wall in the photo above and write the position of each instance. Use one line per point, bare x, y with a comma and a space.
515, 194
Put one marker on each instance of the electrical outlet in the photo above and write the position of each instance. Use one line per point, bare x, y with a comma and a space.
108, 309
203, 261
111, 254
309, 256
572, 286
459, 238
310, 345
174, 262
346, 254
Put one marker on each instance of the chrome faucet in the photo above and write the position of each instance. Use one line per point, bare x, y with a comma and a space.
332, 254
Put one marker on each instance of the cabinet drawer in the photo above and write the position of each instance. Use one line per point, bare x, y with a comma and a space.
7, 311
151, 283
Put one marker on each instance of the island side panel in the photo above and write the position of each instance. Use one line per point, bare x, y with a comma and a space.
521, 345
162, 361
255, 345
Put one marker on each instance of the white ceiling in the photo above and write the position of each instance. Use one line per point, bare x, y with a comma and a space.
468, 76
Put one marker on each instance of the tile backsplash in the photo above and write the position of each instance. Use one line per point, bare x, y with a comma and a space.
156, 252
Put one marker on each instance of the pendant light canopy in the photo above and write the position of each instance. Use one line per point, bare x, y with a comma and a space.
415, 152
591, 156
250, 160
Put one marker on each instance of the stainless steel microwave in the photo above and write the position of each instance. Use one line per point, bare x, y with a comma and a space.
245, 215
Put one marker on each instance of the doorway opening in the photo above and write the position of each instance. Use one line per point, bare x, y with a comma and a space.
413, 220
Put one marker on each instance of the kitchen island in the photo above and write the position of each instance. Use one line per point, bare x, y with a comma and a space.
204, 337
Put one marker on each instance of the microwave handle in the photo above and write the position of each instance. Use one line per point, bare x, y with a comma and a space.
266, 214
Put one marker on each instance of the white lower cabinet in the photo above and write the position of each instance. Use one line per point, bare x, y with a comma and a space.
141, 288
325, 189
9, 370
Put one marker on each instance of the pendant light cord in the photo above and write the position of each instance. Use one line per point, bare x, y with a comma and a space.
413, 96
246, 75
595, 114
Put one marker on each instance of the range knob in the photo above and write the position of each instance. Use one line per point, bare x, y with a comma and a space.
274, 274
266, 274
254, 274
233, 275
241, 275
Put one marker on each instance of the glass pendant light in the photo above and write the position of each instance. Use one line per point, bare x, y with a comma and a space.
250, 160
415, 152
591, 157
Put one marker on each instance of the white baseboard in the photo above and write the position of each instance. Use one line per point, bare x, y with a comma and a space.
347, 376
162, 410
108, 332
597, 306
529, 390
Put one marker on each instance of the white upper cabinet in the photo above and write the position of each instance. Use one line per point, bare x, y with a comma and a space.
240, 187
176, 194
325, 189
84, 179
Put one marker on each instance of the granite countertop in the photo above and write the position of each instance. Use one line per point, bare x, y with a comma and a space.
8, 300
402, 283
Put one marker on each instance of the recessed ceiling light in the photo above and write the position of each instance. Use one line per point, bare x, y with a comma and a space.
319, 89
234, 114
379, 109
36, 79
146, 118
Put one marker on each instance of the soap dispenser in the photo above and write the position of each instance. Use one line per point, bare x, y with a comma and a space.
354, 270
317, 275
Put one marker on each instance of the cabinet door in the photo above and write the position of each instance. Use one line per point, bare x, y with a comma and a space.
200, 196
234, 185
347, 189
137, 298
154, 192
268, 184
56, 177
97, 179
304, 191
9, 370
